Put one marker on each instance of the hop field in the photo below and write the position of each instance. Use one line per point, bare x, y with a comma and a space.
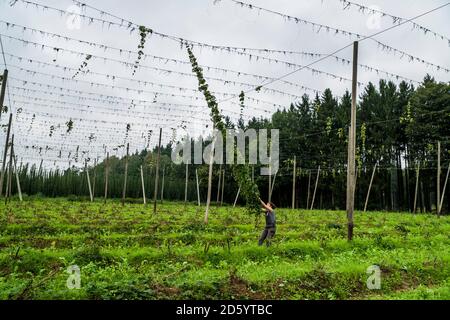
129, 253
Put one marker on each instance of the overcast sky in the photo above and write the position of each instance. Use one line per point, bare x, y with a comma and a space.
223, 23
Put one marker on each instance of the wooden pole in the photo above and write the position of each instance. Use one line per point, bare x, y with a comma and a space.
7, 185
124, 191
351, 172
273, 184
5, 153
422, 198
309, 189
443, 190
143, 187
223, 187
315, 188
2, 92
293, 181
162, 184
19, 189
198, 187
438, 179
417, 186
157, 172
106, 175
40, 167
8, 192
218, 185
88, 180
370, 186
208, 197
237, 196
95, 178
186, 185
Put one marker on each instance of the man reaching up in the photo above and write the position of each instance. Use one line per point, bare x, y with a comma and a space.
270, 228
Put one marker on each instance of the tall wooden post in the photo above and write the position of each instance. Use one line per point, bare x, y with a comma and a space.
273, 184
8, 181
88, 180
370, 186
162, 184
417, 186
198, 187
2, 92
293, 181
438, 179
40, 169
186, 185
218, 185
143, 187
7, 185
223, 187
237, 196
315, 188
95, 178
19, 189
443, 190
351, 172
309, 189
5, 153
106, 175
445, 186
157, 172
208, 196
422, 198
124, 191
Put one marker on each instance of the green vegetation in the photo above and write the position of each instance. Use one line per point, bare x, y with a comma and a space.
129, 253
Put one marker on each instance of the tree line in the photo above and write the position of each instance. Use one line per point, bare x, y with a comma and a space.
398, 129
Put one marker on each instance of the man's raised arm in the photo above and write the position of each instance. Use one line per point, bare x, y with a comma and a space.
264, 205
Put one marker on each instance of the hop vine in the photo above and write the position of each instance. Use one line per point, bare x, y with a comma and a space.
83, 66
242, 105
69, 125
241, 172
143, 32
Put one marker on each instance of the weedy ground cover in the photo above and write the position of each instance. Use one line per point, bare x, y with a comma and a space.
126, 252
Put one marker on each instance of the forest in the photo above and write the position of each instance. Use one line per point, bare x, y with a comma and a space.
398, 130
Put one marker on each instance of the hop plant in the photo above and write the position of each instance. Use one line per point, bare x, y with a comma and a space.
241, 172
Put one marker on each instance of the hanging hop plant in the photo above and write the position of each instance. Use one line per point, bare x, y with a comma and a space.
241, 172
363, 137
149, 136
69, 125
242, 105
83, 66
143, 32
32, 121
127, 131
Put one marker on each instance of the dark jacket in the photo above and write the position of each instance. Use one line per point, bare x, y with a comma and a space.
270, 219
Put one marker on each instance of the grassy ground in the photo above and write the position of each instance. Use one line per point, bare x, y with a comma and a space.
129, 253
